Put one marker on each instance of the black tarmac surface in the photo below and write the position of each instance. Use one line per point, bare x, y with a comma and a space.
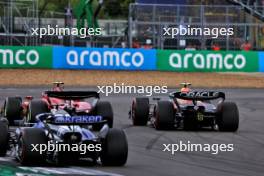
146, 156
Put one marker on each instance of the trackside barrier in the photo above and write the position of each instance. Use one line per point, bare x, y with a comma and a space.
103, 58
25, 57
207, 61
130, 59
261, 61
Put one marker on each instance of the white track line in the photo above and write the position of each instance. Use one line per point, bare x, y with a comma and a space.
40, 169
97, 172
6, 159
68, 171
58, 170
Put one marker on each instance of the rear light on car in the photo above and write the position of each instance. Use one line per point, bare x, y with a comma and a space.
72, 137
28, 97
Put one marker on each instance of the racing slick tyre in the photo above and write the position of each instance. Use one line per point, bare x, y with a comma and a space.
4, 136
228, 119
27, 155
36, 107
114, 148
140, 111
12, 109
164, 114
104, 109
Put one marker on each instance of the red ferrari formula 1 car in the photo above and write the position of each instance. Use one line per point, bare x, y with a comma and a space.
16, 109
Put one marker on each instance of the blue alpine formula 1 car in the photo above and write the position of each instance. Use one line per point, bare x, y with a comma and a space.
64, 136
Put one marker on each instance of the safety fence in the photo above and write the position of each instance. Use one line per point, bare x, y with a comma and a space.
80, 58
147, 21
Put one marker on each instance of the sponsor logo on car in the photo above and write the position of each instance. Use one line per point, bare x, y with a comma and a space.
202, 94
77, 119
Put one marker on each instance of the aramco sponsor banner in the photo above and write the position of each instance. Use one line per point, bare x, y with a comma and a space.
207, 61
103, 58
25, 57
130, 59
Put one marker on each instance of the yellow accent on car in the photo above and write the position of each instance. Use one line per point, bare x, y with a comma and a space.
200, 116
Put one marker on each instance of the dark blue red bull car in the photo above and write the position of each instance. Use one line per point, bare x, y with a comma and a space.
188, 110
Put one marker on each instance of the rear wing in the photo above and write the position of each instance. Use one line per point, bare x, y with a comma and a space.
198, 95
72, 95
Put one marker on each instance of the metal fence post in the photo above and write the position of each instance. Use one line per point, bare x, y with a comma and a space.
202, 24
130, 21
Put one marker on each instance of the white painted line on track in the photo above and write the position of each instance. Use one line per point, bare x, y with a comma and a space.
43, 170
27, 174
68, 171
6, 159
97, 172
65, 170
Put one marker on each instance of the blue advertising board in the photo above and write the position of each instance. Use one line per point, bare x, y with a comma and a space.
261, 61
103, 58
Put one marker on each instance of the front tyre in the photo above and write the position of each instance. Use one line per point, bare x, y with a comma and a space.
114, 148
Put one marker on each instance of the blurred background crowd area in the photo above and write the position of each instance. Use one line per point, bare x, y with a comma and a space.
136, 23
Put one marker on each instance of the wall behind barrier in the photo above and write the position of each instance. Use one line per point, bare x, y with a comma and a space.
130, 59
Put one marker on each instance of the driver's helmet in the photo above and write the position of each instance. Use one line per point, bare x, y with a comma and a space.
186, 87
58, 86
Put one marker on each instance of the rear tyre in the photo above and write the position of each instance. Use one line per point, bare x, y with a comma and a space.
104, 109
26, 154
228, 119
12, 109
164, 114
4, 137
114, 148
140, 111
36, 107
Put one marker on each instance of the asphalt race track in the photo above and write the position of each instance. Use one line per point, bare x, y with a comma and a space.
146, 157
